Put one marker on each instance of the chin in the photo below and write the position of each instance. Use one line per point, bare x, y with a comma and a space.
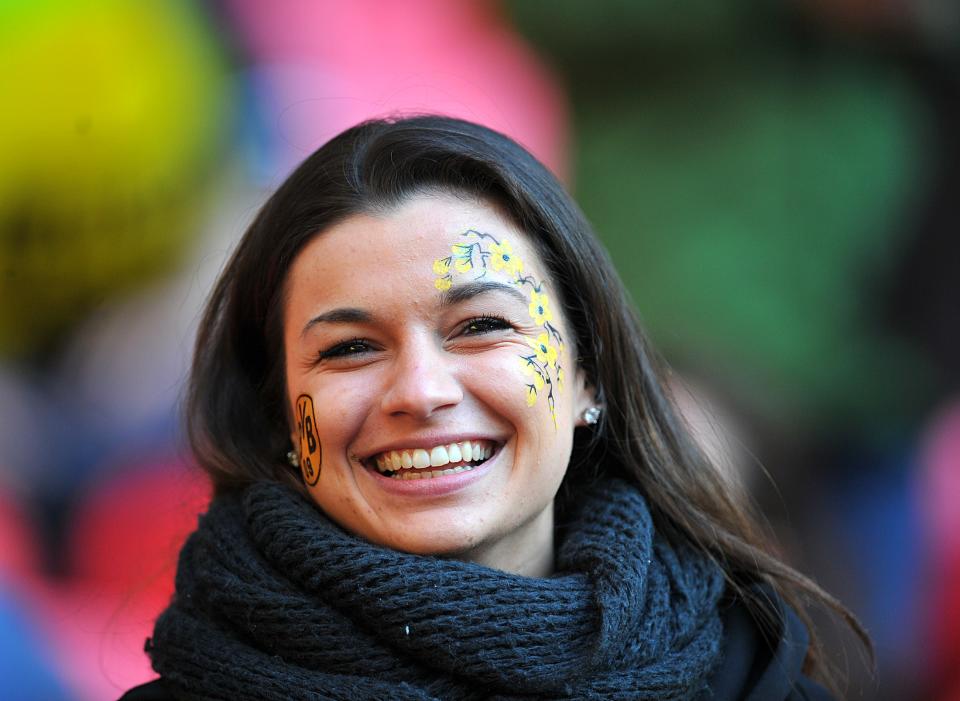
450, 544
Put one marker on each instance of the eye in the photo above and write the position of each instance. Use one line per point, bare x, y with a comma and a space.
485, 324
356, 346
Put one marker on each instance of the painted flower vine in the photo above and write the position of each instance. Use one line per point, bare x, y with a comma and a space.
481, 252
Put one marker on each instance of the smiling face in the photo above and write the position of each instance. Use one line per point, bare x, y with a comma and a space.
433, 363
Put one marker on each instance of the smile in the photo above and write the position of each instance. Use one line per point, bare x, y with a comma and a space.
420, 463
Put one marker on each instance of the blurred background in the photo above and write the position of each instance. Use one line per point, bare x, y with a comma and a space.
778, 182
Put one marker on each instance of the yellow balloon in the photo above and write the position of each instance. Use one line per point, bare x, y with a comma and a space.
113, 116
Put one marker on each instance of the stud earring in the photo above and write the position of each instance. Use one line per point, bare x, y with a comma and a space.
591, 415
293, 459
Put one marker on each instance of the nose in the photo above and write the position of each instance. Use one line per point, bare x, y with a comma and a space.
422, 381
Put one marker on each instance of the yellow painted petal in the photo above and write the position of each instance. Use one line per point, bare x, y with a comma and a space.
539, 347
531, 395
441, 266
442, 283
552, 356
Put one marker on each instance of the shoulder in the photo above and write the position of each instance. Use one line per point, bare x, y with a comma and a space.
152, 691
763, 661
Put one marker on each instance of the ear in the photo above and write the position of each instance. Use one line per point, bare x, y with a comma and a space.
585, 396
295, 422
294, 428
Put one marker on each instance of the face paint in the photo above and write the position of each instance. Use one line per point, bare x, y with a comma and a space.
310, 454
476, 256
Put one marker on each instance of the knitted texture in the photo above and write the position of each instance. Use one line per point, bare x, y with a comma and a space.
274, 601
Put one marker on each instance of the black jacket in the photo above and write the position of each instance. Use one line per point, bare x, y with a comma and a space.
759, 663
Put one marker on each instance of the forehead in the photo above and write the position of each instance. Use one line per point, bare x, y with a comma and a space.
367, 256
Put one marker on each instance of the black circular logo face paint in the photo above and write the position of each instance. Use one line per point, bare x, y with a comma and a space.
310, 454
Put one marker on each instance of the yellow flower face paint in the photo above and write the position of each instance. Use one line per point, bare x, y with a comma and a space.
540, 308
504, 258
545, 352
474, 256
310, 453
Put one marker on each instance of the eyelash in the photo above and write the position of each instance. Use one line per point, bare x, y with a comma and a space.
343, 349
489, 323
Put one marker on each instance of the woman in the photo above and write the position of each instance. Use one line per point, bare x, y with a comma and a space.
444, 461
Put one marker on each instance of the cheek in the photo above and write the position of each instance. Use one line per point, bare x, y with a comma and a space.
341, 408
497, 377
335, 409
511, 388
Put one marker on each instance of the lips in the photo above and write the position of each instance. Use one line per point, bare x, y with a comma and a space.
423, 463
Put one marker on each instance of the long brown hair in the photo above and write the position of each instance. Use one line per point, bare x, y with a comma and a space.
237, 416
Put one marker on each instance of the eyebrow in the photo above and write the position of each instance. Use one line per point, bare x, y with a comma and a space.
453, 296
469, 290
345, 315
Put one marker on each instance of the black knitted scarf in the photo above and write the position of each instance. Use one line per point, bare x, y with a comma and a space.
274, 601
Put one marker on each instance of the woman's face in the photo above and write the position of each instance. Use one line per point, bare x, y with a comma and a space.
431, 381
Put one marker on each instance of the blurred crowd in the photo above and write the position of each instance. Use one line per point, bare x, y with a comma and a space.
777, 182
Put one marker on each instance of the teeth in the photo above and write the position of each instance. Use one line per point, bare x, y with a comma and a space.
421, 458
434, 473
453, 452
438, 456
